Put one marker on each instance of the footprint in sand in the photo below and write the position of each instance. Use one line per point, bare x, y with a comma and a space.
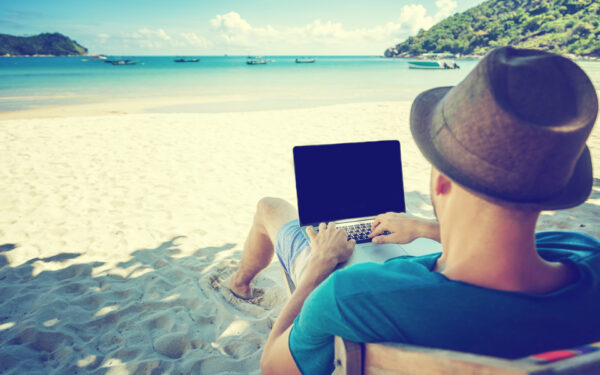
218, 283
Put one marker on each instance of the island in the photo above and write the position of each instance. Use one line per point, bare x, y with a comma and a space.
45, 44
569, 27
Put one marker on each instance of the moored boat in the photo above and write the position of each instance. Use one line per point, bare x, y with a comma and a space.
186, 61
305, 61
256, 60
98, 57
432, 64
121, 62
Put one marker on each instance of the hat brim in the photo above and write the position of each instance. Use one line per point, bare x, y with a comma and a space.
575, 192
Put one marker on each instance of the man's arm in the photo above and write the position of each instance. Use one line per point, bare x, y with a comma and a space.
403, 228
329, 248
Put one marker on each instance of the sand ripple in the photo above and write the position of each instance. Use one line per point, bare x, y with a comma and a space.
169, 319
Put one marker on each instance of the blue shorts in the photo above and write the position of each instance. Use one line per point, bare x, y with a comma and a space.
289, 242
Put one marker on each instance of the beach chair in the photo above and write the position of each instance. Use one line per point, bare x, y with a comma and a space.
353, 358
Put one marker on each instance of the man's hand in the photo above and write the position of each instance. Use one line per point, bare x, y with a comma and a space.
329, 247
403, 228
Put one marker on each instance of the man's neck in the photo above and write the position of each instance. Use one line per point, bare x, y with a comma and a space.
497, 251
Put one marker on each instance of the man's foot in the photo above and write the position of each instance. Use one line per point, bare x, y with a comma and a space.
240, 290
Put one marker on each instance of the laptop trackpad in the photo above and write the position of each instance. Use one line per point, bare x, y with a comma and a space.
370, 252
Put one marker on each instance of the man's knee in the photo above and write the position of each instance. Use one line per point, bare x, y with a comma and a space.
273, 213
270, 207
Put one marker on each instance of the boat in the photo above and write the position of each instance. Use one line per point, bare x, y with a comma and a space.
434, 61
433, 64
188, 60
305, 61
121, 62
256, 60
97, 57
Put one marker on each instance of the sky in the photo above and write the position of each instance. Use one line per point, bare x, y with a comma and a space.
234, 27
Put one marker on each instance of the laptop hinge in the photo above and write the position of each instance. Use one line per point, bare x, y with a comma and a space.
350, 221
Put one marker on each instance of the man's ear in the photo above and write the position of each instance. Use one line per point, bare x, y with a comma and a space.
442, 184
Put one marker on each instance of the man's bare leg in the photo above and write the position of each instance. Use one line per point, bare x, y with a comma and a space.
271, 215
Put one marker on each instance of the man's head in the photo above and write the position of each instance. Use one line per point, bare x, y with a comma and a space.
513, 131
448, 197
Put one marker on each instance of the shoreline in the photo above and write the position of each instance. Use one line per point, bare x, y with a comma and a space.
102, 106
164, 105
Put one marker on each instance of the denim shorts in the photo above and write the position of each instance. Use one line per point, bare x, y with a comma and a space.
289, 243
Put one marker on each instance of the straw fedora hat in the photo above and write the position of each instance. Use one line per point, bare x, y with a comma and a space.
514, 129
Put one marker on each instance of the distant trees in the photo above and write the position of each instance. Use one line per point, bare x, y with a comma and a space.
563, 26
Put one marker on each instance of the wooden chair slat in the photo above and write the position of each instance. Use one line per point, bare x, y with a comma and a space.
403, 359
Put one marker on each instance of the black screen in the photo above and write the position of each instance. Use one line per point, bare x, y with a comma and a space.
348, 180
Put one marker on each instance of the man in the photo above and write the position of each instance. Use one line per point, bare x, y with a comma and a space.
506, 143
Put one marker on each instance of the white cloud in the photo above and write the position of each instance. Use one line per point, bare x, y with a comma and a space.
159, 34
446, 9
326, 30
145, 40
413, 18
231, 33
234, 31
231, 22
193, 39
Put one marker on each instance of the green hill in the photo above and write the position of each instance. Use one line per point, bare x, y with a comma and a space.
561, 26
43, 44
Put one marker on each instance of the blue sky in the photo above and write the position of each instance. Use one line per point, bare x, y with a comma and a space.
235, 27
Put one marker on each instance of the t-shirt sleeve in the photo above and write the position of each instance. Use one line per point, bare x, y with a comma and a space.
578, 243
353, 303
311, 340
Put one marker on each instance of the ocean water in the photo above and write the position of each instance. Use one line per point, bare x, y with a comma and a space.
224, 83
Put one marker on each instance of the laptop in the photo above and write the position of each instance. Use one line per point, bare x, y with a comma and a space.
350, 184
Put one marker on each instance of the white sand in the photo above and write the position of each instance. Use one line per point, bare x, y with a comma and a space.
116, 231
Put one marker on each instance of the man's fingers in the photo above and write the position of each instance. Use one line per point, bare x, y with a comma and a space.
381, 239
379, 219
351, 243
376, 222
311, 233
376, 231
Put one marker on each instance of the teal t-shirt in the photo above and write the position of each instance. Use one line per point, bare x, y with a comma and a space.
403, 300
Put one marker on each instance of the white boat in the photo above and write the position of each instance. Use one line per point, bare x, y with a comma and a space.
256, 60
305, 61
182, 60
121, 62
433, 64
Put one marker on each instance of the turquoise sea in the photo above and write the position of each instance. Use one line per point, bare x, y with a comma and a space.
28, 83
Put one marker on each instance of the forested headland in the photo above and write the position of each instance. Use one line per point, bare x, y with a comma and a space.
560, 26
46, 44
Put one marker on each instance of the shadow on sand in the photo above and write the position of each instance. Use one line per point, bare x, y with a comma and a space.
160, 312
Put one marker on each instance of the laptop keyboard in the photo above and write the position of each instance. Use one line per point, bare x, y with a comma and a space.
358, 232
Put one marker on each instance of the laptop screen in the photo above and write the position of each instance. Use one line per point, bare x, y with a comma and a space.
348, 180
